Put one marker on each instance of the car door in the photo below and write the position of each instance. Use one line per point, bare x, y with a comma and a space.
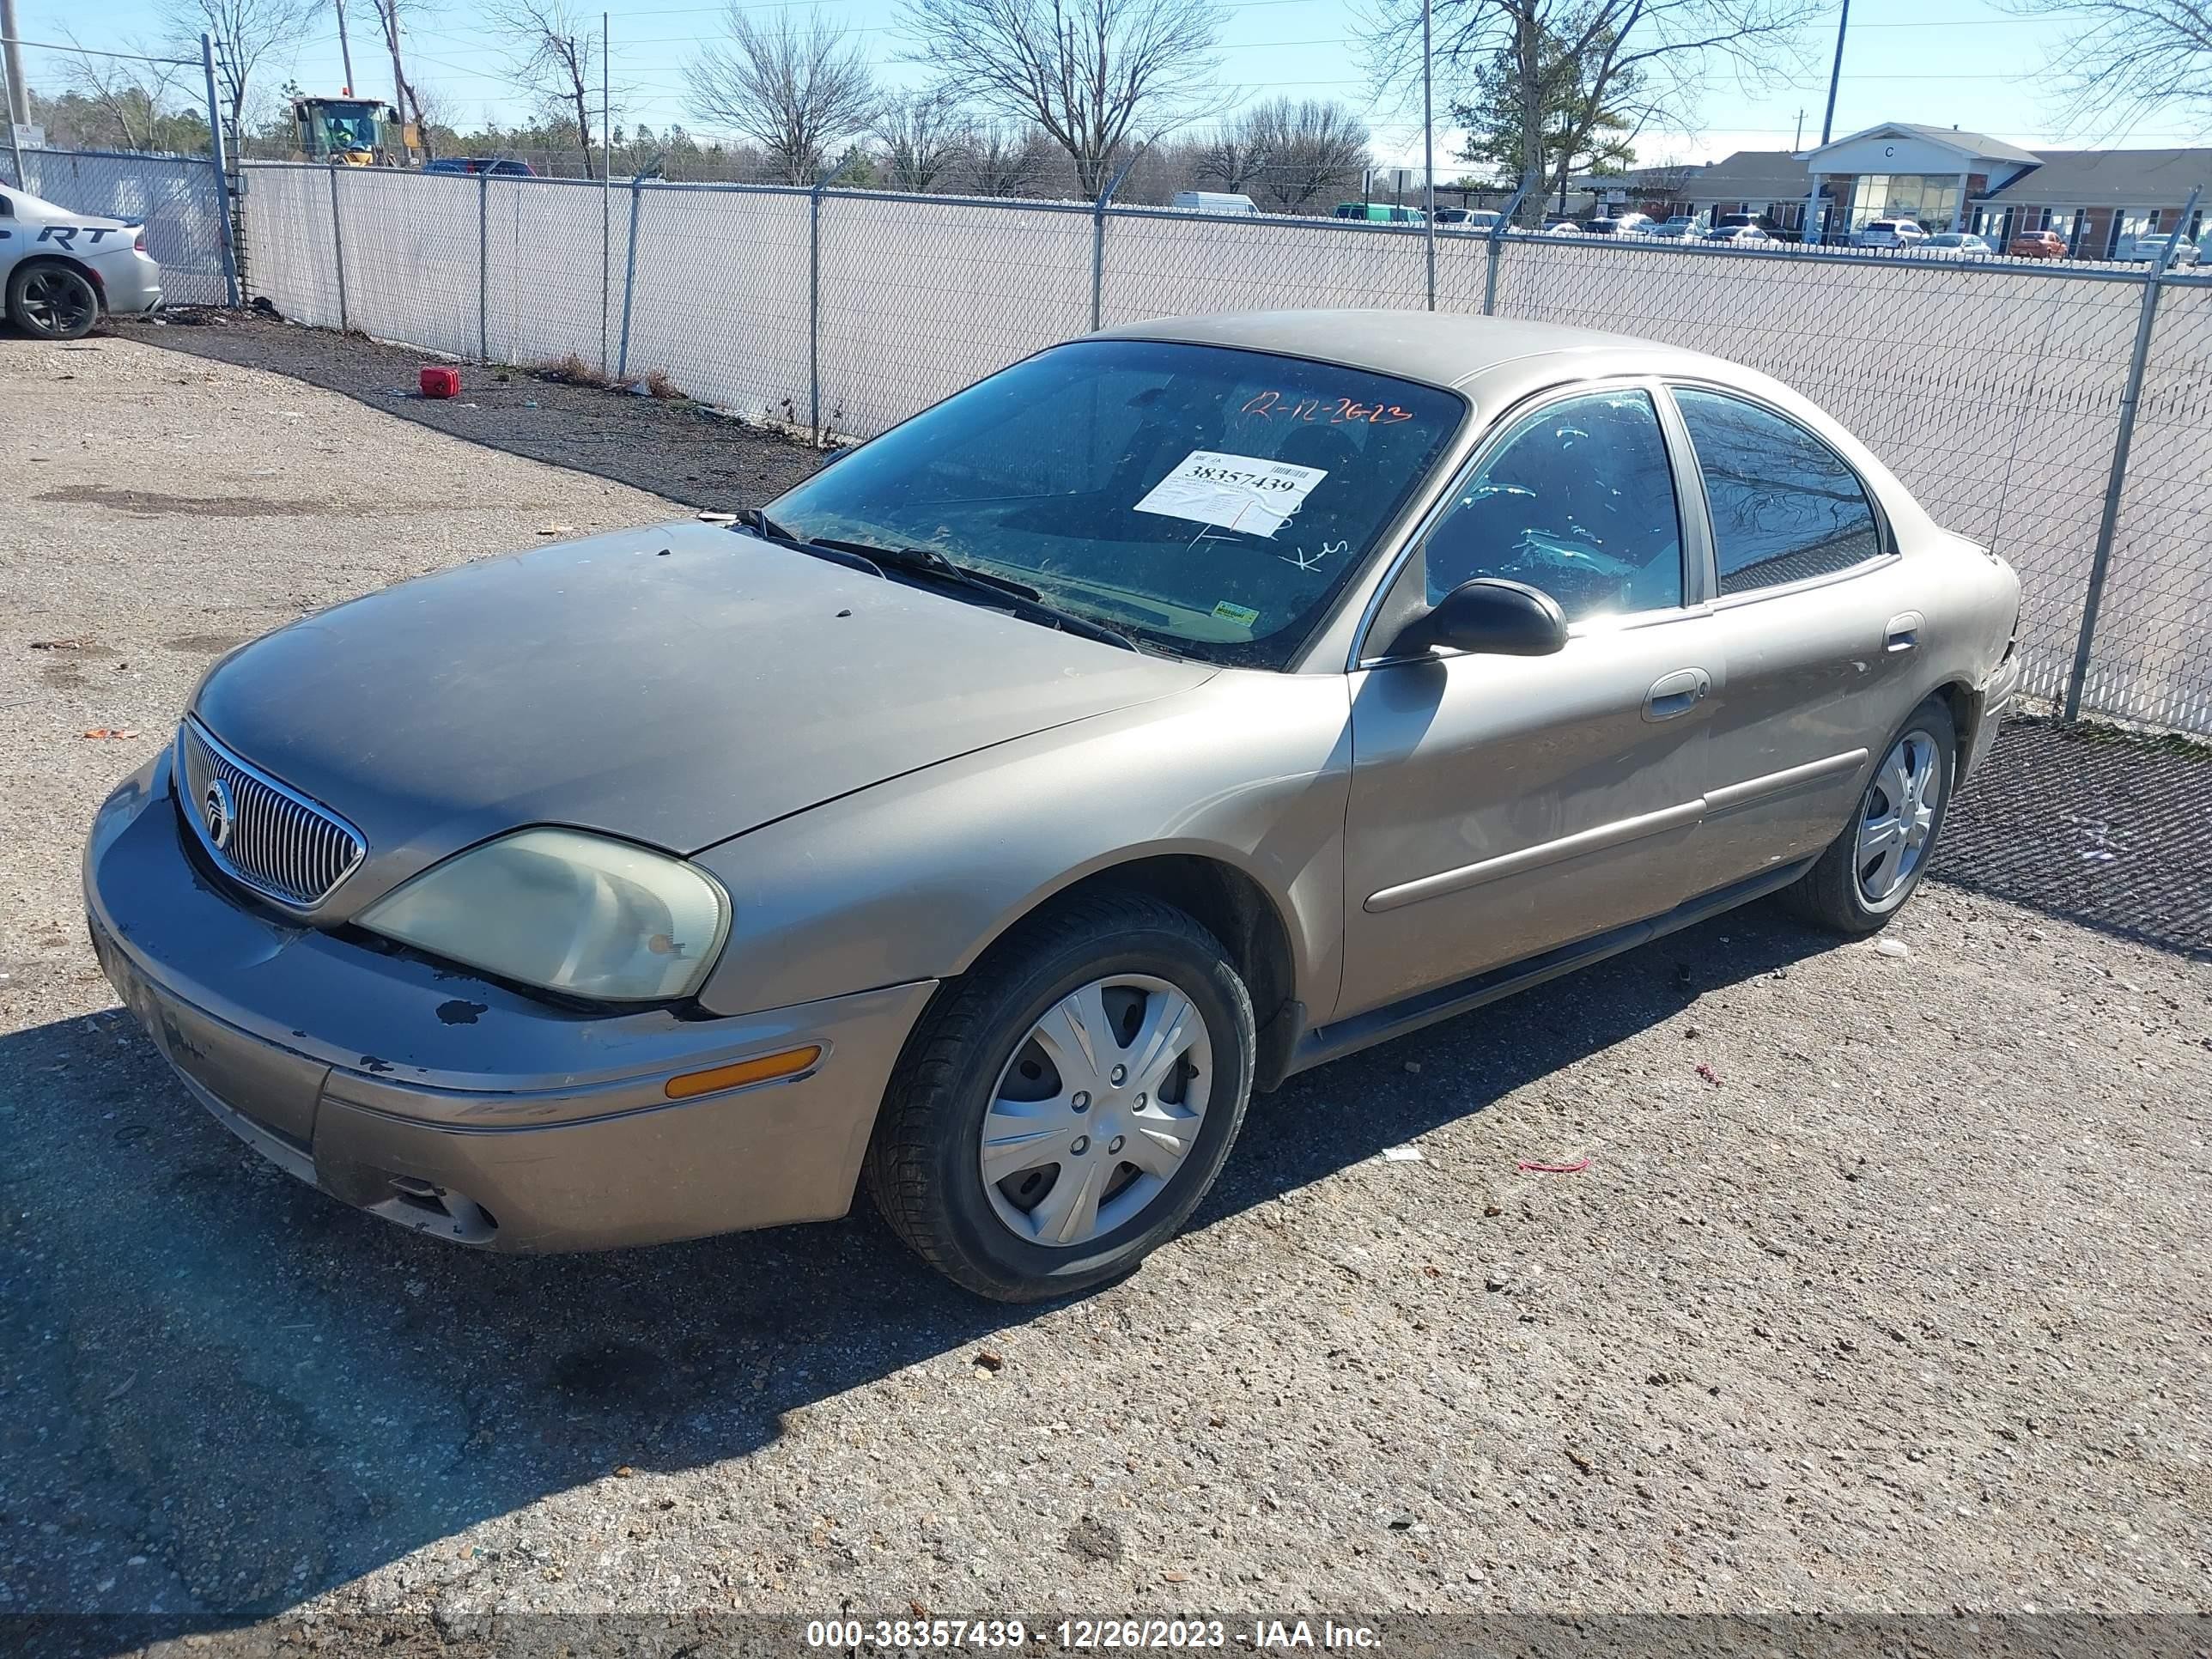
1816, 633
1502, 805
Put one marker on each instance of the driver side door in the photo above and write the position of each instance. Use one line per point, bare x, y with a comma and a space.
1500, 805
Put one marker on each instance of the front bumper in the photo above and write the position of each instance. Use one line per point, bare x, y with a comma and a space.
459, 1108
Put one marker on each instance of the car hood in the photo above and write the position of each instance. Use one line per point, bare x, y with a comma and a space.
675, 686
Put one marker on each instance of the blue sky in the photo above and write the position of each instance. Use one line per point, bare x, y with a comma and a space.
1961, 63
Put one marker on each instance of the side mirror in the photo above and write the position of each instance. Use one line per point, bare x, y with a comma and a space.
1488, 615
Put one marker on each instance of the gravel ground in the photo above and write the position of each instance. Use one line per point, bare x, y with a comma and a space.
1883, 1289
677, 448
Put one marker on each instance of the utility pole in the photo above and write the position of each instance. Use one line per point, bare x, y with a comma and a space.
19, 95
1799, 142
345, 49
1835, 75
1429, 153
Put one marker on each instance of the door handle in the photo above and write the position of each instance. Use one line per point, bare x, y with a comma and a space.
1677, 693
1903, 632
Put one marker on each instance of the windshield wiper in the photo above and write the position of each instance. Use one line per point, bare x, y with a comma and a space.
929, 563
852, 558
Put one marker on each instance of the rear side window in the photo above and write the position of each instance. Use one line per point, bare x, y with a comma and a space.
1785, 506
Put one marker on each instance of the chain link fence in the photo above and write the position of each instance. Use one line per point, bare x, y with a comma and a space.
177, 197
1993, 388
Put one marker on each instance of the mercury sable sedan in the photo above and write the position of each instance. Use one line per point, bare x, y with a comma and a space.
990, 817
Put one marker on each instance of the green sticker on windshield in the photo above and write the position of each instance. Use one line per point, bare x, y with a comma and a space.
1243, 615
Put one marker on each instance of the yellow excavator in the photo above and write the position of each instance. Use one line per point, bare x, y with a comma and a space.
350, 132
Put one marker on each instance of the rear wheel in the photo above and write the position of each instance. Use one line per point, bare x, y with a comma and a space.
1873, 867
1065, 1106
53, 302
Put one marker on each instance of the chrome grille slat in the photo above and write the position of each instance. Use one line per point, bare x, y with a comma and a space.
280, 843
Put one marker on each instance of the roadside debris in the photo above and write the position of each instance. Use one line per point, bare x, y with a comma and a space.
120, 732
1529, 1166
440, 380
1892, 947
556, 529
75, 642
1403, 1155
1709, 1075
985, 1360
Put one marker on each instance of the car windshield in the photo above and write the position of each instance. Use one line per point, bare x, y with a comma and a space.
1210, 500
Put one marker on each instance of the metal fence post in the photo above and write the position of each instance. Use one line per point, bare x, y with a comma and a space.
1497, 236
630, 279
483, 266
229, 254
1098, 241
2108, 523
337, 250
814, 306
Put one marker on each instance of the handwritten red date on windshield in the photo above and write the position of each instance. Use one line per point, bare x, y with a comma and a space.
1329, 411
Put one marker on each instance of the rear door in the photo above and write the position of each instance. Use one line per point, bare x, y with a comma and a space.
1503, 805
1816, 633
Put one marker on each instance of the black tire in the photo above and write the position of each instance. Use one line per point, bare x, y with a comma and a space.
1832, 894
923, 1168
52, 301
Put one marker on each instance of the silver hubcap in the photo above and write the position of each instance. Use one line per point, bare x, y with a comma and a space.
1899, 817
1096, 1110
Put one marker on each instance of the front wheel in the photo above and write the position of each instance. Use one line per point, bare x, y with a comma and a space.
53, 302
1873, 866
1063, 1108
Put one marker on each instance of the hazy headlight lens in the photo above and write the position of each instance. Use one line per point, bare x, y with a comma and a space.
570, 912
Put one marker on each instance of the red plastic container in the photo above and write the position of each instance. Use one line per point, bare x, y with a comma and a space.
440, 381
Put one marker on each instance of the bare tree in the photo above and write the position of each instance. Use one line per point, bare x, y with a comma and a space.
388, 16
798, 90
1665, 50
1236, 155
1007, 158
251, 33
922, 137
1315, 150
2124, 59
129, 93
1095, 74
552, 55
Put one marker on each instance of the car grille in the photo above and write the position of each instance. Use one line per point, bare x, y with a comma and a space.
272, 839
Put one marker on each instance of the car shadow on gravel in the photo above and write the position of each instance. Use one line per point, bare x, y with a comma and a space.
256, 1394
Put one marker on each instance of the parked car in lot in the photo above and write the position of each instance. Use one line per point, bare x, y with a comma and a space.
985, 821
1225, 203
1888, 232
2174, 251
2037, 244
1380, 213
1741, 236
1681, 227
1475, 220
497, 167
60, 270
1562, 228
1620, 224
1955, 245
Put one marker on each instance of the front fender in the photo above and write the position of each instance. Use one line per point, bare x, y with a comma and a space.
914, 878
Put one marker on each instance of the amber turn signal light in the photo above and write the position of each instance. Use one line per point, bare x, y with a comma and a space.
762, 1068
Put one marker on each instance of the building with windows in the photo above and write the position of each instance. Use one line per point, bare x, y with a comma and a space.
1944, 178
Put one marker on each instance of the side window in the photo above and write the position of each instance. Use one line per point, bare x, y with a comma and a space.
1784, 505
1579, 501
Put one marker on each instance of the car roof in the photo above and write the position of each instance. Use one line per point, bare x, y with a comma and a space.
1443, 349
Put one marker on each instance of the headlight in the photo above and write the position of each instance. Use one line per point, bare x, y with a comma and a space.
568, 911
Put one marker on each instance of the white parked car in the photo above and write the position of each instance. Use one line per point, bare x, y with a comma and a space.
1889, 232
1681, 227
62, 269
1955, 245
2151, 244
1472, 221
1216, 201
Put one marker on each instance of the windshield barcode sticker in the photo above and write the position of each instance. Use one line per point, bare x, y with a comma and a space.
1232, 492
